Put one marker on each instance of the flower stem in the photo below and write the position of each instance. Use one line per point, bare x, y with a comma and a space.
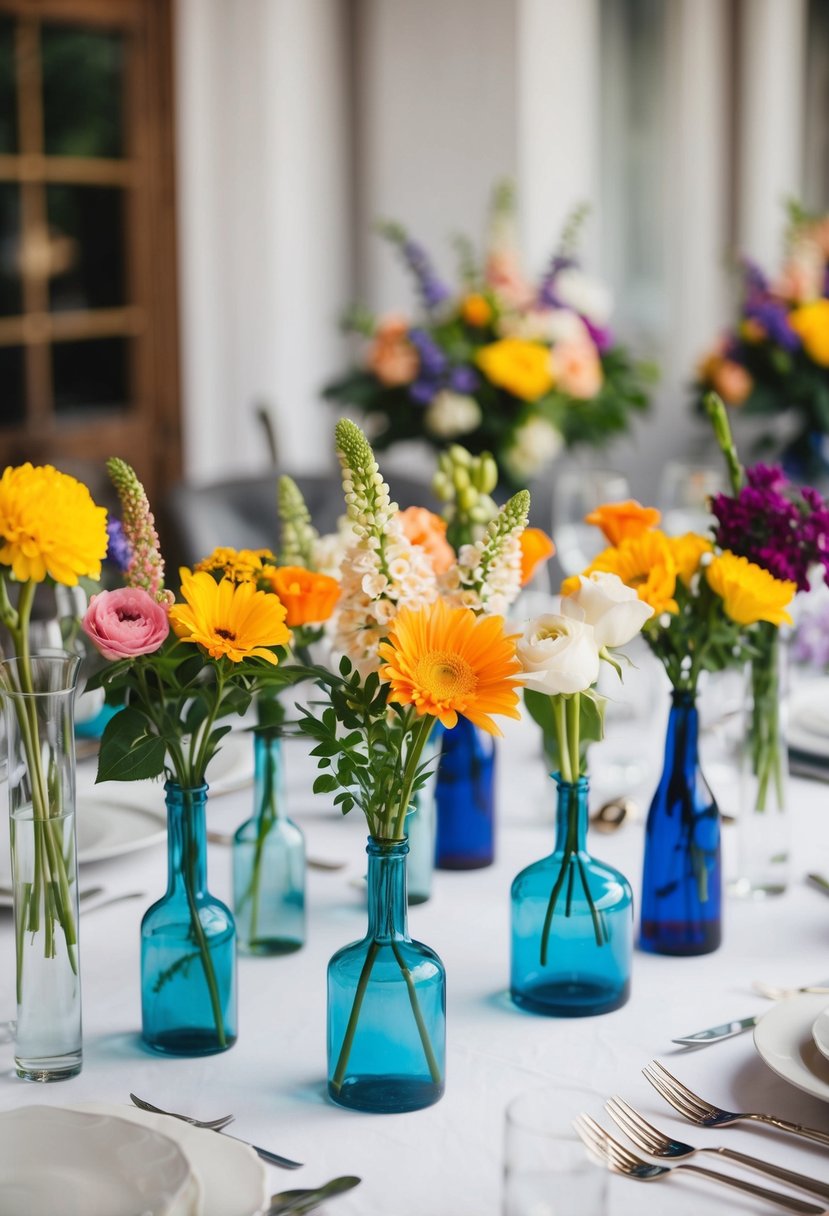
351, 1028
190, 851
434, 1067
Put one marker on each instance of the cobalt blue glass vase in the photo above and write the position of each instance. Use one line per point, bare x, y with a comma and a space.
572, 923
188, 944
269, 861
682, 881
465, 799
386, 1003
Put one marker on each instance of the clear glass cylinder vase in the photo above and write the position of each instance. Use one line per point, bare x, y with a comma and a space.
572, 923
269, 861
421, 829
763, 824
465, 798
682, 877
188, 944
386, 1003
39, 694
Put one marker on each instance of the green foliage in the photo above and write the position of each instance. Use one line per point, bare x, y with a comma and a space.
591, 723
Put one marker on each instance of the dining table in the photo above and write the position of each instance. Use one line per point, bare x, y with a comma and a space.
447, 1160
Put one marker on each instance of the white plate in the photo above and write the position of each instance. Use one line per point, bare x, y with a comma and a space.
91, 1164
820, 1032
784, 1040
808, 724
233, 1179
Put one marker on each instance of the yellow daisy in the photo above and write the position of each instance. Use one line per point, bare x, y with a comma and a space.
646, 563
239, 565
750, 593
687, 551
229, 620
49, 525
448, 662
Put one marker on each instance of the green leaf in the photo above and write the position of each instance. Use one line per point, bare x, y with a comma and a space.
129, 751
591, 718
326, 783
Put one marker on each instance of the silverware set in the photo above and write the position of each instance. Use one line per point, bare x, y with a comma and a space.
619, 1158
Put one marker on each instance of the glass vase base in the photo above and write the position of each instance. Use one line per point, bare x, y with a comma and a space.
678, 939
188, 1043
57, 1068
263, 946
573, 998
386, 1095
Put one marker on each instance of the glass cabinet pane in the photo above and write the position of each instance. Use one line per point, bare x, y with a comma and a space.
83, 91
86, 229
8, 89
90, 375
11, 298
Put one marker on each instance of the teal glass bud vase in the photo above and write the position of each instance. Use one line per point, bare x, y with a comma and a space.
572, 923
386, 1003
269, 861
188, 944
682, 880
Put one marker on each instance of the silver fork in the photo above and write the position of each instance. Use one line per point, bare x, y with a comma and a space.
657, 1144
623, 1161
705, 1114
284, 1163
213, 1125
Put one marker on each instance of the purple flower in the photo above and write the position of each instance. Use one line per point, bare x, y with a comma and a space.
754, 278
433, 361
810, 643
774, 318
432, 290
119, 550
547, 297
423, 390
463, 379
601, 334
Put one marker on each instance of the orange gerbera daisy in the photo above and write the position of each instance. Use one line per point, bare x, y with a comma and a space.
308, 597
645, 563
621, 519
536, 547
448, 662
230, 620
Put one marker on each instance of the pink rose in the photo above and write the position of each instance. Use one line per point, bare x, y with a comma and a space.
125, 623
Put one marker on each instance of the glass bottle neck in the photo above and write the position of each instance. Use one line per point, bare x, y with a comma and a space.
681, 739
387, 916
268, 775
186, 839
571, 814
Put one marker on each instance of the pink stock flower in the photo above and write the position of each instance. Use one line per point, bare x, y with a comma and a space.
125, 623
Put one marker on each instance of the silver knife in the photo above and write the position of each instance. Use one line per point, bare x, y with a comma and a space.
716, 1034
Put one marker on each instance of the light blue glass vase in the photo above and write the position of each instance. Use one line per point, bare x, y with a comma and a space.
682, 879
386, 1003
572, 923
188, 944
269, 861
465, 799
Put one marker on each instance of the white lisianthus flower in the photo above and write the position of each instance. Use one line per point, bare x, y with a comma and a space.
587, 296
614, 610
535, 443
559, 654
451, 414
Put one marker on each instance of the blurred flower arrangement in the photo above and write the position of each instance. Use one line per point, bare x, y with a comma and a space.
775, 361
517, 368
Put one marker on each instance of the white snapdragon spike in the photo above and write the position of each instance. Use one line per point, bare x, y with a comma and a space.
330, 548
559, 654
488, 574
451, 414
612, 608
534, 444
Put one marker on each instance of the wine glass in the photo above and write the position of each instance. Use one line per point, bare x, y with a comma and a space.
576, 493
684, 491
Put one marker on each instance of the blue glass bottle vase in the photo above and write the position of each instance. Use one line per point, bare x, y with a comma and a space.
188, 944
386, 1003
572, 923
269, 861
465, 799
682, 880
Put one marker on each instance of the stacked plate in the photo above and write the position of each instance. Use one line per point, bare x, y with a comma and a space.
807, 731
106, 1160
793, 1039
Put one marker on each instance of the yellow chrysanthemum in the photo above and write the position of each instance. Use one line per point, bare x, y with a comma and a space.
448, 662
811, 321
230, 620
523, 368
49, 525
239, 565
687, 551
748, 592
644, 562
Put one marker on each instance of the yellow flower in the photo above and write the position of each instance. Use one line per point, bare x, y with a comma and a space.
239, 565
749, 593
811, 321
230, 620
309, 598
522, 368
620, 519
446, 661
687, 551
49, 525
476, 310
644, 562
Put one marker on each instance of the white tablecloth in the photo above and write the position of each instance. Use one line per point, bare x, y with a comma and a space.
447, 1160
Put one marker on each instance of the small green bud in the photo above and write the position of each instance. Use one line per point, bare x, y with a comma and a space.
467, 498
461, 479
